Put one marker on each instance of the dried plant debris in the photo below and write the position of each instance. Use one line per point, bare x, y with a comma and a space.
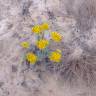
1, 84
14, 68
58, 46
83, 11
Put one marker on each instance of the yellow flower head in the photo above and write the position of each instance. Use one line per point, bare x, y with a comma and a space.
42, 44
56, 36
25, 44
44, 26
31, 57
55, 56
36, 29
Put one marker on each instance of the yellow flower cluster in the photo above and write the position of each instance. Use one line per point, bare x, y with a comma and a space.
42, 44
39, 28
31, 57
56, 36
55, 56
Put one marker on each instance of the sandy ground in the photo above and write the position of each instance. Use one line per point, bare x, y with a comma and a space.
16, 20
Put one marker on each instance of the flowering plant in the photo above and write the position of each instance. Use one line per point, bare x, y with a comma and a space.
41, 49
